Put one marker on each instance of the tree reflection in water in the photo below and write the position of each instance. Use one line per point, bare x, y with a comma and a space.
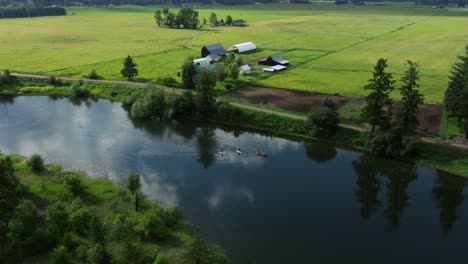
367, 186
320, 152
448, 195
206, 145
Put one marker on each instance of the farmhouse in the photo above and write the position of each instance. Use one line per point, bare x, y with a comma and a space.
216, 49
274, 60
243, 47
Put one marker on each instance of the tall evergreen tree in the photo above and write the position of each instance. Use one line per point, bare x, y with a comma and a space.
205, 100
213, 19
455, 101
228, 20
378, 112
129, 70
407, 118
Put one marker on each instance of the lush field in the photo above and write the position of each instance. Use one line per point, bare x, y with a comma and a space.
332, 48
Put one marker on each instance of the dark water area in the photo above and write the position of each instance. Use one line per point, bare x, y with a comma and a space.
308, 202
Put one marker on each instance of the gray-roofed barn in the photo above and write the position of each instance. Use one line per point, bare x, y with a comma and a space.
274, 60
216, 49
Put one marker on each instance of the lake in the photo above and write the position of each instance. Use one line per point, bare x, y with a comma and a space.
307, 202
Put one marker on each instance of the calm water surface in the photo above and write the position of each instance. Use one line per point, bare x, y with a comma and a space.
305, 203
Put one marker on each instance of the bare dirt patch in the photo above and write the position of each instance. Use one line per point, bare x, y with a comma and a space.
298, 101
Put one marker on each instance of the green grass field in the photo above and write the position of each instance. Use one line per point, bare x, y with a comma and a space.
332, 48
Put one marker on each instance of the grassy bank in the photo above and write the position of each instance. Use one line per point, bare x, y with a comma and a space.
90, 212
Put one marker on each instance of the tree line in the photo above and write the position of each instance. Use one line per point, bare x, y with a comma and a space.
186, 18
19, 12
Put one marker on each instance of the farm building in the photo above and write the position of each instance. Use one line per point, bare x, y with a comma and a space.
243, 47
275, 68
245, 69
274, 60
213, 58
238, 23
216, 49
202, 63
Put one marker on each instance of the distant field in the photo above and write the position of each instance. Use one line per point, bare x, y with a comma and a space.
332, 48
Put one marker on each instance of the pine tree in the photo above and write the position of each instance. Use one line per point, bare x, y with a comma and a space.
129, 70
407, 118
455, 101
228, 20
381, 84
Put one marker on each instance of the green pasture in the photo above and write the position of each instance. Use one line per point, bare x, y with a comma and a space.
331, 48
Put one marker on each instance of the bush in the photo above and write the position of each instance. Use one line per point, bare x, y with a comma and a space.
54, 81
228, 86
60, 255
152, 226
78, 90
184, 105
323, 121
72, 182
171, 216
36, 162
93, 75
168, 81
392, 144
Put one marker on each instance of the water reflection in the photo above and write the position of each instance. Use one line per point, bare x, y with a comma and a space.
206, 145
6, 99
448, 195
320, 152
397, 195
367, 186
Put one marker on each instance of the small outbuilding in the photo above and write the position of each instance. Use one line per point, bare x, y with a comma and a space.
274, 60
243, 47
216, 49
275, 68
238, 23
245, 69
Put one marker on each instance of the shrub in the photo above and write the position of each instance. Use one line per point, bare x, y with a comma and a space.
152, 226
60, 255
184, 105
171, 216
54, 81
228, 86
323, 121
36, 162
392, 144
72, 182
79, 90
168, 81
93, 75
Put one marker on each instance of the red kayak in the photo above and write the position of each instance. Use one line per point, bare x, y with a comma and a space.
261, 154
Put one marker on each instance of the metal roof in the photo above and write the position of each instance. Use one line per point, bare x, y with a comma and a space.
217, 49
278, 59
243, 47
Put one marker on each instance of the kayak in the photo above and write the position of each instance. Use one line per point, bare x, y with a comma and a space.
262, 154
239, 152
220, 152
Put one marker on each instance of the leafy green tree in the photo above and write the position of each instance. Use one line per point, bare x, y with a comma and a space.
129, 70
36, 162
161, 259
228, 20
455, 102
97, 254
199, 252
220, 71
78, 90
9, 193
184, 105
134, 185
205, 99
378, 112
60, 255
188, 74
231, 58
188, 18
407, 118
158, 17
234, 71
213, 19
204, 21
323, 121
152, 226
72, 183
57, 222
